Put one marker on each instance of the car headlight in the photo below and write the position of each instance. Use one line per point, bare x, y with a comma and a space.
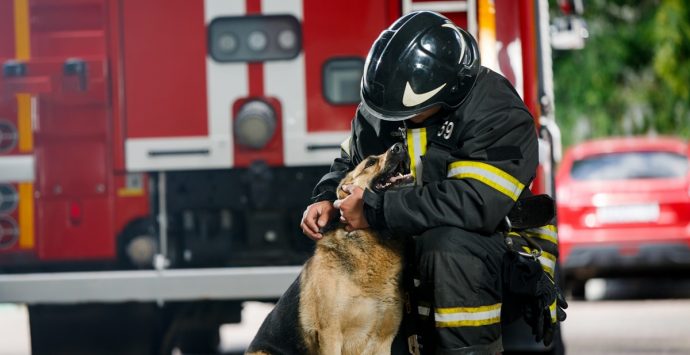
255, 124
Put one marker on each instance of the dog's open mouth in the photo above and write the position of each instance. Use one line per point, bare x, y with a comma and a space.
397, 175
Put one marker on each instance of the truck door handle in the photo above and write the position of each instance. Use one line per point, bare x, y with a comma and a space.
13, 69
16, 79
76, 67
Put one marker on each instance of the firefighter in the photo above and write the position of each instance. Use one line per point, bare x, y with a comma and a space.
473, 151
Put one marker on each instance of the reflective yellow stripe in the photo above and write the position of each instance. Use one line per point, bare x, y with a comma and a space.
548, 262
22, 48
552, 310
26, 215
546, 259
488, 174
410, 152
26, 142
416, 148
130, 192
547, 232
468, 316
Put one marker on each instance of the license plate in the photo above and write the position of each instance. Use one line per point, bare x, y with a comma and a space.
628, 213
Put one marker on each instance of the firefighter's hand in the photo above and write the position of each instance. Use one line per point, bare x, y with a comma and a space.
544, 312
352, 208
316, 216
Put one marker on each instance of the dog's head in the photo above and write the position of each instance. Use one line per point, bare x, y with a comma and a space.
380, 172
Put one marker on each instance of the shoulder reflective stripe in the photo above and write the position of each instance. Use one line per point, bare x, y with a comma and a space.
345, 145
548, 233
488, 174
416, 148
468, 316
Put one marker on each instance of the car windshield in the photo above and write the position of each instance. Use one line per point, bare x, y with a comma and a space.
630, 165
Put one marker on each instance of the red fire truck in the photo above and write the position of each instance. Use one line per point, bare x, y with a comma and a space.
156, 155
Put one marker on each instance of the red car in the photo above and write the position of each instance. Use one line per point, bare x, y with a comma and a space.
624, 208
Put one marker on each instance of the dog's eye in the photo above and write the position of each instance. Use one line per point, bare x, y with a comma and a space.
370, 162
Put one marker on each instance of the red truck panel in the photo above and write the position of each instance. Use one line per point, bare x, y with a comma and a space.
72, 132
72, 169
164, 68
6, 30
324, 38
507, 31
86, 239
7, 102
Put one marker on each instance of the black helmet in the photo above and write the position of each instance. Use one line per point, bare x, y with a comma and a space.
422, 60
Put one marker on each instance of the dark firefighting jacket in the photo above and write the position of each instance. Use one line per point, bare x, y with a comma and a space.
476, 161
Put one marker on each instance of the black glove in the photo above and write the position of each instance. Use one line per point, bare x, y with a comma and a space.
538, 310
538, 293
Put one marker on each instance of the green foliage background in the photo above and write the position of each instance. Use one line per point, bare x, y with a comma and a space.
632, 77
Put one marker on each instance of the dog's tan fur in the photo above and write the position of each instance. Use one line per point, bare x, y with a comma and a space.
351, 300
350, 289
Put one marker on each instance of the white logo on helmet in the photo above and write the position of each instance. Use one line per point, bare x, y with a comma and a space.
411, 98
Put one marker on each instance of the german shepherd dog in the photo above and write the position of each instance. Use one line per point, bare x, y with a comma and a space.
349, 292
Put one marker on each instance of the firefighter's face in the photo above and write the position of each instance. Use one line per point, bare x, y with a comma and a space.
422, 116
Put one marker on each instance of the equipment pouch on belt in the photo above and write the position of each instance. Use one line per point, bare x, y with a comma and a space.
529, 277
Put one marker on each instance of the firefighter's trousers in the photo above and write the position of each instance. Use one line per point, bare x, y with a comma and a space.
459, 291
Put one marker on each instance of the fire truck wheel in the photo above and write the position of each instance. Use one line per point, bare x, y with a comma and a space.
141, 249
137, 245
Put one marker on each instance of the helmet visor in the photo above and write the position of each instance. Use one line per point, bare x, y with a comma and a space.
372, 114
